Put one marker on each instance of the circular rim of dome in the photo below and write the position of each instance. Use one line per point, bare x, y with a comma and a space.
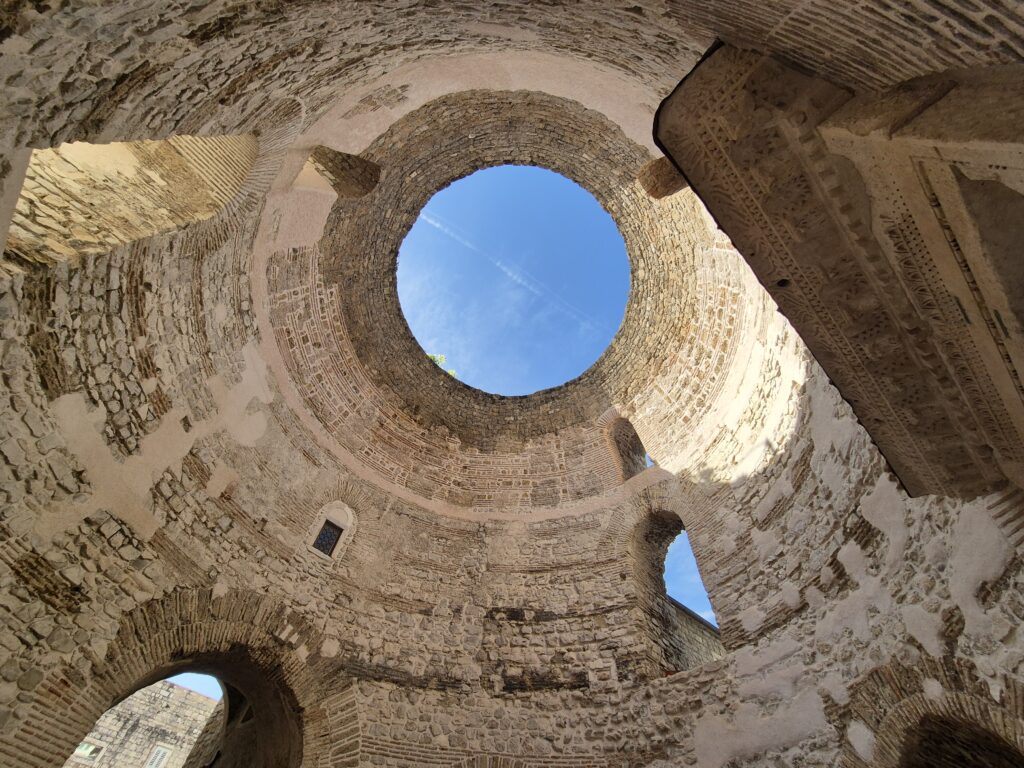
335, 333
621, 293
351, 359
419, 155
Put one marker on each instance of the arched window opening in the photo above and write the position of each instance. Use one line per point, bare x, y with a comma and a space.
80, 198
169, 724
945, 742
628, 448
686, 634
683, 583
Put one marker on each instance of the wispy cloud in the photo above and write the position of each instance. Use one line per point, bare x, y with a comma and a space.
461, 327
518, 276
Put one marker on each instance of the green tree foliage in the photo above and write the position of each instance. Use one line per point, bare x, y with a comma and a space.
440, 360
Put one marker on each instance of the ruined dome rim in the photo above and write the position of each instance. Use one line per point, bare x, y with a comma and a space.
610, 177
544, 391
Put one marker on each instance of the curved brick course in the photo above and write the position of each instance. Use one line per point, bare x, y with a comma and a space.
178, 411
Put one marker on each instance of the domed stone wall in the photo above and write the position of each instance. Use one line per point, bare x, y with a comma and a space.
333, 309
181, 412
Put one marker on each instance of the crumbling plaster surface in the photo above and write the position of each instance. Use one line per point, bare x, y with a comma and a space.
453, 629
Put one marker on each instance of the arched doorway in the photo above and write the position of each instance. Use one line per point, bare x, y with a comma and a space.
179, 721
947, 742
265, 656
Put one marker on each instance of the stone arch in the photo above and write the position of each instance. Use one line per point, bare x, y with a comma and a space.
944, 742
491, 761
266, 656
650, 540
626, 445
932, 715
684, 638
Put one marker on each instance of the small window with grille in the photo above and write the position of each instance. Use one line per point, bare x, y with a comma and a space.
331, 530
328, 538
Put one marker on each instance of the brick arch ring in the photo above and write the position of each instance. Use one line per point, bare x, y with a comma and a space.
249, 641
484, 761
893, 705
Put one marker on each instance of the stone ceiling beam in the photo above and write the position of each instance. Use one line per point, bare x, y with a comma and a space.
849, 212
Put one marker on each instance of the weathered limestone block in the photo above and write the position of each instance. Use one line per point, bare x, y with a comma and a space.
660, 178
82, 198
349, 175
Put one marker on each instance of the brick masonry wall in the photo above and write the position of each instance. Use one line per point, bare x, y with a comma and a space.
179, 409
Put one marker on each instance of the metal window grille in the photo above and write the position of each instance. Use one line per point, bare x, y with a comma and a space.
328, 538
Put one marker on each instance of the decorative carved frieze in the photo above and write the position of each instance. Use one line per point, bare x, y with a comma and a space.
869, 221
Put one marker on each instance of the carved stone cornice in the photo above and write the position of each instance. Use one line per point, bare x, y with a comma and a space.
863, 252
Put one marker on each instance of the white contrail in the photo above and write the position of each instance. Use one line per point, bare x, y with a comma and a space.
520, 277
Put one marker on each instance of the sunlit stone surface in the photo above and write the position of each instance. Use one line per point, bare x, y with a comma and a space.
191, 392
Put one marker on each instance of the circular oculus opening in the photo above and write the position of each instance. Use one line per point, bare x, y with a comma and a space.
514, 278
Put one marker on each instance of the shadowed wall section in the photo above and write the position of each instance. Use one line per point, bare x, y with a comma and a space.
84, 198
179, 408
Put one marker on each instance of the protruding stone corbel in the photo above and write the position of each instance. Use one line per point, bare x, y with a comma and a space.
660, 178
349, 175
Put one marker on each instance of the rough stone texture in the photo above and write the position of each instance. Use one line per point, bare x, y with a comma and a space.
210, 741
161, 715
876, 252
348, 175
85, 198
660, 178
178, 410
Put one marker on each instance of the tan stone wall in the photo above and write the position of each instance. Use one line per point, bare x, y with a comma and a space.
178, 411
161, 715
86, 198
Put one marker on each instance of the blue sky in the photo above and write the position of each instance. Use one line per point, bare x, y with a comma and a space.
520, 279
517, 275
682, 579
204, 684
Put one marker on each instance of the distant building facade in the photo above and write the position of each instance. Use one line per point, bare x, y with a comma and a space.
156, 727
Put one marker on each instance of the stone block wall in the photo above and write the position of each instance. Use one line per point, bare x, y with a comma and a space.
87, 198
179, 409
158, 725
